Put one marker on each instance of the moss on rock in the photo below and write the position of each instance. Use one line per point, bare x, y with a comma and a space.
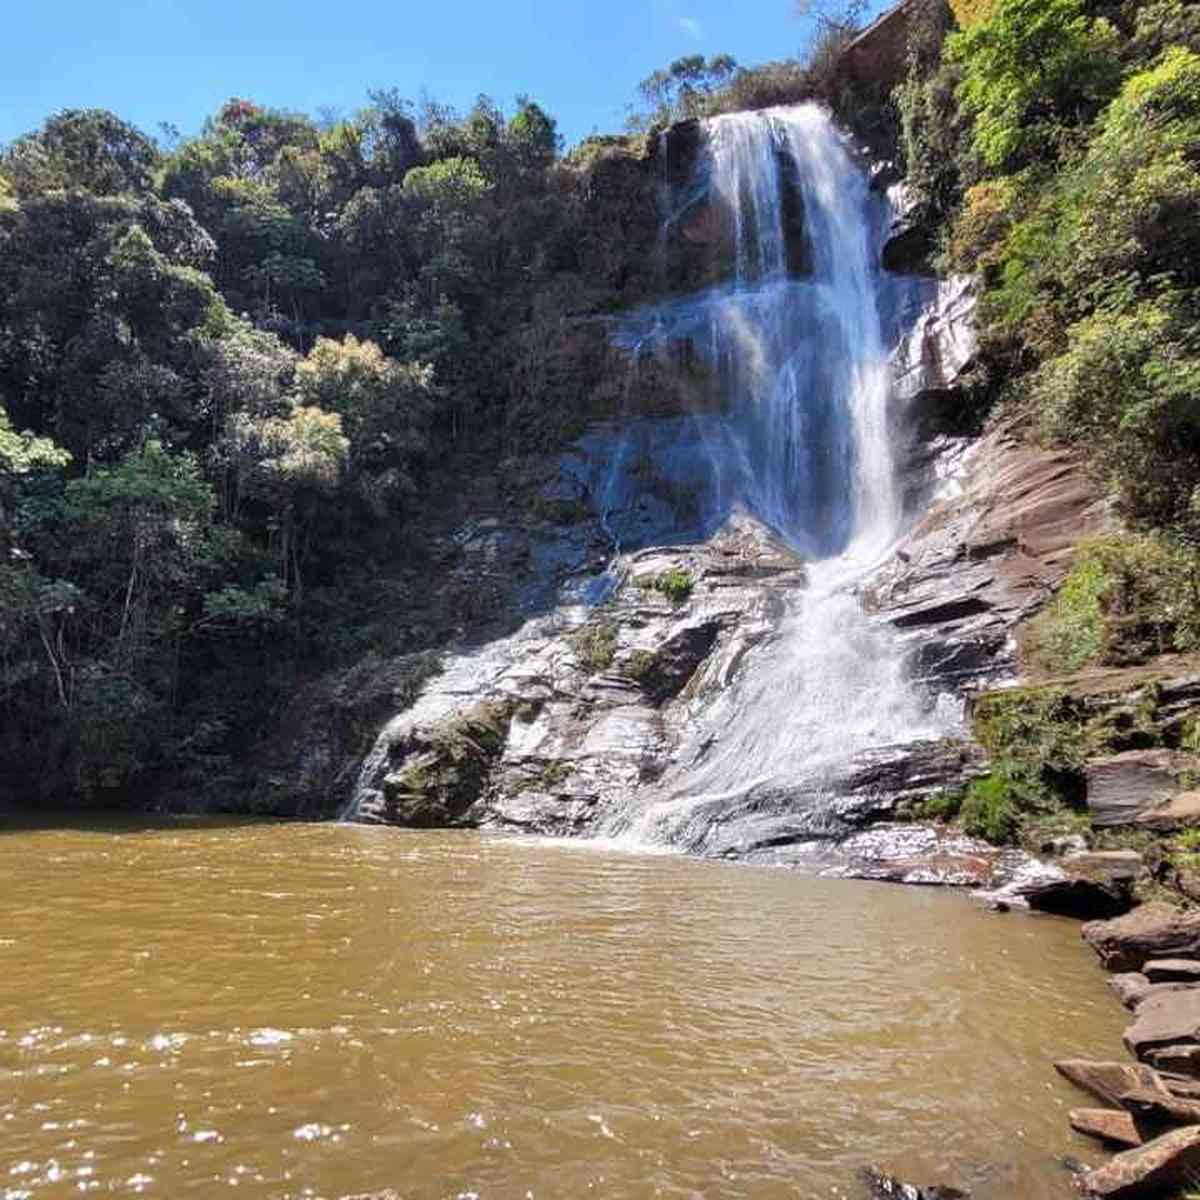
445, 769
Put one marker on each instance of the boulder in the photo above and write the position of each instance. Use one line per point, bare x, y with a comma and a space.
1152, 931
1131, 987
1180, 811
1108, 1124
1109, 1081
1179, 1058
881, 1186
1148, 1104
1149, 1171
1165, 1020
1172, 970
1126, 788
1091, 884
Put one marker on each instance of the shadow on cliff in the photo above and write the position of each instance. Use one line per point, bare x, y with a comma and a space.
111, 822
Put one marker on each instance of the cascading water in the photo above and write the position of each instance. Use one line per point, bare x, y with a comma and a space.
806, 445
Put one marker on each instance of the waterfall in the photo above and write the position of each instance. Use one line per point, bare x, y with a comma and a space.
800, 358
806, 445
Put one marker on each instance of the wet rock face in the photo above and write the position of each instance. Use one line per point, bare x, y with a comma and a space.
919, 854
988, 552
1084, 885
935, 346
603, 681
436, 772
909, 242
595, 696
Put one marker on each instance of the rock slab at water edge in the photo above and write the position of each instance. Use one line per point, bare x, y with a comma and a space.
1172, 970
1108, 1081
1153, 931
1151, 1170
1108, 1124
1169, 1019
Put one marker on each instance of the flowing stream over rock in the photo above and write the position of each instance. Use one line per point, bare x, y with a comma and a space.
798, 361
807, 445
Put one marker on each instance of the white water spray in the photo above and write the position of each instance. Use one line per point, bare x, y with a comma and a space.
808, 443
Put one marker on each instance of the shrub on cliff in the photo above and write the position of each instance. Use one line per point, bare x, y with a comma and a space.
1128, 597
934, 135
1091, 271
1127, 387
988, 809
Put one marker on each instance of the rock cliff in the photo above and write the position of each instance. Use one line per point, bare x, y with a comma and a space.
642, 602
624, 597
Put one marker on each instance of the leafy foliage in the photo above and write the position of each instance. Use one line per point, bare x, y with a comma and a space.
88, 149
1127, 598
229, 374
1064, 170
683, 90
676, 584
988, 809
596, 645
1031, 67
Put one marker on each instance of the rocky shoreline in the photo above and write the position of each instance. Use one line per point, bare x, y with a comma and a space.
1150, 1108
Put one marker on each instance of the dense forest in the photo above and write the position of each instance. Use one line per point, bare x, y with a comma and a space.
239, 371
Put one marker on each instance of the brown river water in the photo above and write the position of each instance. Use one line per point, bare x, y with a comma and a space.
199, 1009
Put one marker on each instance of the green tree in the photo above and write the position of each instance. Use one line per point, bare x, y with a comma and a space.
532, 134
85, 149
385, 407
143, 527
682, 90
100, 302
1029, 68
290, 464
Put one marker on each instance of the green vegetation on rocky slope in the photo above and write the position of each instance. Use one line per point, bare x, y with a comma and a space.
1053, 148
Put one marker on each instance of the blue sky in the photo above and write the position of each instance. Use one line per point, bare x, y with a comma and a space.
179, 60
